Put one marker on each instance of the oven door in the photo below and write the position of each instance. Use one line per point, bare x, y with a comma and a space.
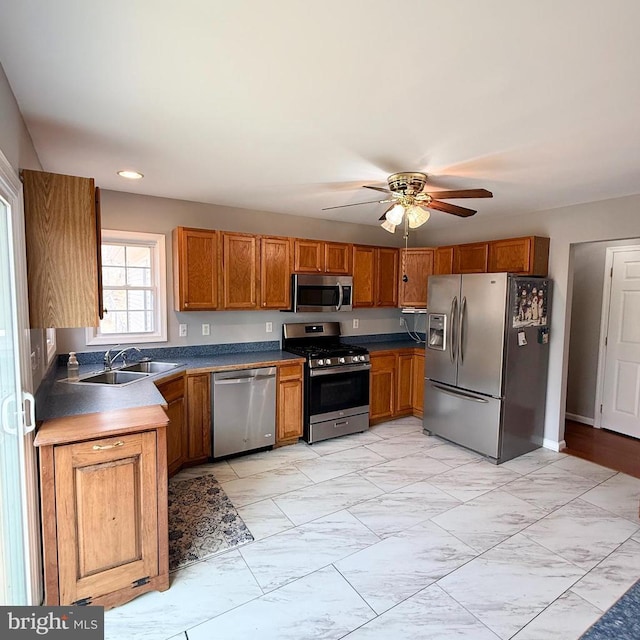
337, 392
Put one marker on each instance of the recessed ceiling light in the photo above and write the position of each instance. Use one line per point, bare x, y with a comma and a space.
131, 175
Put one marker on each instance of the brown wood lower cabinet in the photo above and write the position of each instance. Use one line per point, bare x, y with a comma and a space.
289, 403
104, 506
198, 418
172, 390
396, 384
383, 387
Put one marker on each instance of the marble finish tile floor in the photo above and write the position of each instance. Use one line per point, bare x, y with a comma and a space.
395, 534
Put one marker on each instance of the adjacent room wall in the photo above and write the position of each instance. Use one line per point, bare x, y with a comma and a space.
613, 219
133, 212
586, 313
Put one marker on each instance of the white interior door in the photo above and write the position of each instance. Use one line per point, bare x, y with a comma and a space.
621, 385
20, 581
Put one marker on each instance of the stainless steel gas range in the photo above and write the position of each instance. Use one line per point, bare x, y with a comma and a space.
336, 389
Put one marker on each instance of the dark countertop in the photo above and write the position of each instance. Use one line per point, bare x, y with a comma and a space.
59, 398
393, 345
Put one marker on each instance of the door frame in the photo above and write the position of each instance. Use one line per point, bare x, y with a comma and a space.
11, 190
604, 327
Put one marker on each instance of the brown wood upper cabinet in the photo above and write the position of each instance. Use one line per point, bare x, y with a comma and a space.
239, 273
471, 258
375, 276
275, 272
62, 233
416, 265
524, 256
443, 261
318, 256
195, 269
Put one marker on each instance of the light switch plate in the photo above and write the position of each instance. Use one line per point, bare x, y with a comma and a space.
206, 329
182, 330
356, 323
269, 327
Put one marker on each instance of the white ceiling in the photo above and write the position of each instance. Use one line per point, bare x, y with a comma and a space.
290, 105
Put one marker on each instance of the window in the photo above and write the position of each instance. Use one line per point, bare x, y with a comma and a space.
134, 289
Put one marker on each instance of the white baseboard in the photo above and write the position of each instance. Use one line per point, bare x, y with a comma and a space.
554, 445
582, 419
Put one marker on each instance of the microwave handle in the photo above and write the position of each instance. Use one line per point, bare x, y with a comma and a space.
340, 296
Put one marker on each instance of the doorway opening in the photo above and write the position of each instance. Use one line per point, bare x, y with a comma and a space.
601, 301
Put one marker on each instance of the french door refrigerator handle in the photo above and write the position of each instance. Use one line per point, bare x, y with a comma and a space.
453, 337
463, 313
458, 394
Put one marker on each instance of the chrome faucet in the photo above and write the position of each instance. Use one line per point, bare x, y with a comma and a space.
108, 360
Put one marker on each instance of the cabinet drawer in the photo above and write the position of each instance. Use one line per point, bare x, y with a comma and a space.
290, 371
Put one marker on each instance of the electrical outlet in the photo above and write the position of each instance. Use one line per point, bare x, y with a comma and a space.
182, 330
269, 327
206, 329
356, 323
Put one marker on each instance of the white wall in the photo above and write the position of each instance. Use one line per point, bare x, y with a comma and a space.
605, 220
586, 311
133, 212
16, 145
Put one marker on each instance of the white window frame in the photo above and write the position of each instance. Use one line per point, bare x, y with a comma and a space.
159, 275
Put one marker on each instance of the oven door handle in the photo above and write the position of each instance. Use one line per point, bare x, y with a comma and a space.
340, 297
346, 369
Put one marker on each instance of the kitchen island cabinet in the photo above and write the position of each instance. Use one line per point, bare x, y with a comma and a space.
104, 506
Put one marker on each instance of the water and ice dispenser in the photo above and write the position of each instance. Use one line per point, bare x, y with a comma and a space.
437, 331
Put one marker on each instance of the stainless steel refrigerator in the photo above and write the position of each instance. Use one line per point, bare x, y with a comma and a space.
486, 362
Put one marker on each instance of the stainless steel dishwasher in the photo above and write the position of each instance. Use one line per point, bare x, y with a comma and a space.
243, 407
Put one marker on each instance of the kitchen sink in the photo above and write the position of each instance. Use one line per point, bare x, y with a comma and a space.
149, 366
117, 377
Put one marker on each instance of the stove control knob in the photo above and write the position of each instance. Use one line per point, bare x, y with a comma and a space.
320, 362
341, 360
356, 358
327, 361
362, 358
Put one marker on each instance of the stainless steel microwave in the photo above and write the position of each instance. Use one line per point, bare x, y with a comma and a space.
321, 293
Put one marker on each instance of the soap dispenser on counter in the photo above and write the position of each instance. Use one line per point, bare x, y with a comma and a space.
72, 367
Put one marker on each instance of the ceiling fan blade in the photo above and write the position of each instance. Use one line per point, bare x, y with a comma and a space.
463, 193
366, 186
384, 215
355, 204
463, 212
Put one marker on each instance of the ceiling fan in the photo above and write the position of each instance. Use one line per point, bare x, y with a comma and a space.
411, 204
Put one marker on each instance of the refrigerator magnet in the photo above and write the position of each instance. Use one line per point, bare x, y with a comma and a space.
522, 338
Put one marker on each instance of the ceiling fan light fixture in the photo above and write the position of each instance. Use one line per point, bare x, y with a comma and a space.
417, 216
388, 226
396, 214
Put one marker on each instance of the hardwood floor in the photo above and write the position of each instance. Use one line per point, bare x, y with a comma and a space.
603, 447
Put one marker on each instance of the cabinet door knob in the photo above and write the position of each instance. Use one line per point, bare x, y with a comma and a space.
98, 447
